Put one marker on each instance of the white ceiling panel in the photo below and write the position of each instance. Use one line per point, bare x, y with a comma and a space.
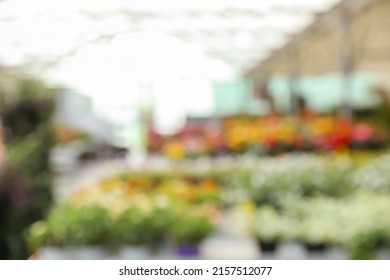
239, 31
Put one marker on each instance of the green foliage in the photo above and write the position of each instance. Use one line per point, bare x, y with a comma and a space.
25, 186
71, 225
190, 230
137, 227
29, 88
364, 244
379, 115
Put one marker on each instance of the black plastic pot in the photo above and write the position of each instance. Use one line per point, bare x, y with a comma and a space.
267, 246
315, 247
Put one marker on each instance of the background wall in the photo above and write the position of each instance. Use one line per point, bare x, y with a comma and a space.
325, 92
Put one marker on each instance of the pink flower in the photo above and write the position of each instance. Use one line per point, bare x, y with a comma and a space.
362, 132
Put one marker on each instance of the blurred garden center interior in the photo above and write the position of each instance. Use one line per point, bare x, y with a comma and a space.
195, 129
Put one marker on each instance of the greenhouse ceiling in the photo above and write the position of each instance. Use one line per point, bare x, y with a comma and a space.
353, 35
239, 32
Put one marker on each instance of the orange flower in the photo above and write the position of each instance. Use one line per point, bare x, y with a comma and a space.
209, 185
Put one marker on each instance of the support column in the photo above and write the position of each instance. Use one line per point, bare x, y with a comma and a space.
293, 72
346, 62
138, 153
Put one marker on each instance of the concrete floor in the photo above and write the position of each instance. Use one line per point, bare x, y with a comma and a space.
84, 175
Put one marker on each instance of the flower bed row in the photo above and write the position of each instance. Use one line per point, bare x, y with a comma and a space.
359, 224
132, 210
321, 202
308, 198
268, 135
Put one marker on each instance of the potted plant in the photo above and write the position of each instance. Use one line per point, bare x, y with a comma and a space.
271, 227
319, 234
367, 243
320, 222
80, 231
264, 230
187, 232
131, 234
368, 236
36, 239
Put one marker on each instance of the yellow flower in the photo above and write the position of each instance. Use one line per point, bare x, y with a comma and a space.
108, 184
177, 189
285, 131
321, 126
174, 150
254, 132
248, 207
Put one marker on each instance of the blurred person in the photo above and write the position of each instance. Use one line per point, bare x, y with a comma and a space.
303, 110
262, 93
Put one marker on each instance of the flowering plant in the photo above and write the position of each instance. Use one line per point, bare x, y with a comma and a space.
272, 226
297, 175
274, 134
132, 209
373, 175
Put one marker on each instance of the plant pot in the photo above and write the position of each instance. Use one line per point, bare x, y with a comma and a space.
187, 251
266, 246
315, 247
140, 252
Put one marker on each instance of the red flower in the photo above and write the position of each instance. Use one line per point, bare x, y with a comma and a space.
342, 133
269, 141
